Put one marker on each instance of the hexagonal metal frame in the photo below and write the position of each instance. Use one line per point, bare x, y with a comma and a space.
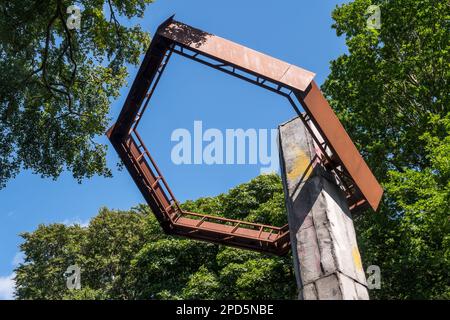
339, 154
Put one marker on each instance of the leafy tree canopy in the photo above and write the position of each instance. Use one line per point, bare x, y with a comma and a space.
57, 83
125, 255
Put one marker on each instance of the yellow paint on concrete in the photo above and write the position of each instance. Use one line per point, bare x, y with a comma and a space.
357, 258
300, 166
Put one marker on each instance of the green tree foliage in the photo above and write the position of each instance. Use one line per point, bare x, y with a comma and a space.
391, 91
125, 255
56, 84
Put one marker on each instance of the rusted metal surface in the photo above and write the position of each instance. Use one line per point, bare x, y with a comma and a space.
296, 84
237, 55
341, 145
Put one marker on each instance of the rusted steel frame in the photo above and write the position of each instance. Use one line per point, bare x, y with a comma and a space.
157, 193
217, 235
153, 86
237, 55
271, 74
220, 230
199, 227
322, 148
225, 233
199, 49
342, 147
233, 220
146, 181
171, 227
138, 176
144, 78
253, 232
158, 171
261, 84
204, 217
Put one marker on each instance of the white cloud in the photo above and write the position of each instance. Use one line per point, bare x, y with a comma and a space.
7, 283
74, 221
7, 287
18, 259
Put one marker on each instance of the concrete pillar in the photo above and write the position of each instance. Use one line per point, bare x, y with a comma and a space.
326, 257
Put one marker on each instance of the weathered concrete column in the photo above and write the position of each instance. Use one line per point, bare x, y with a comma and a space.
326, 257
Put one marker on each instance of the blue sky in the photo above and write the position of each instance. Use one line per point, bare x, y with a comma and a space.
296, 31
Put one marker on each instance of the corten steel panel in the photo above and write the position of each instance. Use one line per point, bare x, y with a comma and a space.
343, 147
235, 54
146, 73
150, 181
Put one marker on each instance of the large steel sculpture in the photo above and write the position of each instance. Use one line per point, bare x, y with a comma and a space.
338, 153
